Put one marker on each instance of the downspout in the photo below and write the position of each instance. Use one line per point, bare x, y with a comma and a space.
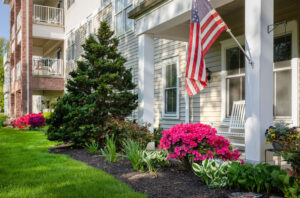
187, 98
27, 50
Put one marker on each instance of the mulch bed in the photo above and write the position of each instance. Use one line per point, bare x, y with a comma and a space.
169, 182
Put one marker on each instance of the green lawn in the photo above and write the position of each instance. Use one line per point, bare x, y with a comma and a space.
27, 169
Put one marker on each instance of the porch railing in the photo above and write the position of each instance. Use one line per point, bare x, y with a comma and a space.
47, 67
48, 15
13, 32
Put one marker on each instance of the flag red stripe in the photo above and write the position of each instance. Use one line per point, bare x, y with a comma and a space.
201, 68
196, 51
215, 25
190, 49
214, 39
208, 21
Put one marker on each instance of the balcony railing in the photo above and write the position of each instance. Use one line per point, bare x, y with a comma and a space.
6, 58
47, 67
13, 32
19, 37
19, 17
6, 85
48, 15
13, 46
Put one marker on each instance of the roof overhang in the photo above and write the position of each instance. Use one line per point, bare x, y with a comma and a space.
6, 1
143, 7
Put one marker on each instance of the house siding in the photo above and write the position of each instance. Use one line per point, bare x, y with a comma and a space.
205, 107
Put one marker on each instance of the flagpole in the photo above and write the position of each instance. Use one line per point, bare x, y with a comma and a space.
240, 46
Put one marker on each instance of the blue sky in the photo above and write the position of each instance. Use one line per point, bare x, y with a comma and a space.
4, 20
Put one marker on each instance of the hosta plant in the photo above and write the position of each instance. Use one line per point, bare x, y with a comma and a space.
214, 174
153, 160
196, 142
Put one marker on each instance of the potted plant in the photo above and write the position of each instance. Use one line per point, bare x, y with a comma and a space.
278, 134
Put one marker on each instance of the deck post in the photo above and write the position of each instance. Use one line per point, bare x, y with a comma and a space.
259, 77
146, 79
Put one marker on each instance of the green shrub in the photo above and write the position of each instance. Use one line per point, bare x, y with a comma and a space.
126, 130
92, 148
47, 115
3, 119
134, 153
109, 152
98, 89
152, 160
157, 135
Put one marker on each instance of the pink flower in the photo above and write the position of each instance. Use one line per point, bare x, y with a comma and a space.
242, 162
198, 141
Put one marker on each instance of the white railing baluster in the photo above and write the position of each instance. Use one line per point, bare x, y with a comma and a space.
47, 67
49, 15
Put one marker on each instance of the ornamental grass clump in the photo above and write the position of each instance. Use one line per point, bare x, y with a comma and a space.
196, 142
109, 152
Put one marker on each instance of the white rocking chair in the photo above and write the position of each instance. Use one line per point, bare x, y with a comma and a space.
237, 122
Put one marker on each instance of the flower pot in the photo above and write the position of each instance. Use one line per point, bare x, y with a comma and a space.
277, 146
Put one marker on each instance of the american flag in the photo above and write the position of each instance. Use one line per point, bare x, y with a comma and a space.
206, 26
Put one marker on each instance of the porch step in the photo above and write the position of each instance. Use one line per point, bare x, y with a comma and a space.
226, 134
238, 144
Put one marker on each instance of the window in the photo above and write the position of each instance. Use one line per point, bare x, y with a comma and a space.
89, 27
283, 76
122, 23
70, 3
170, 89
235, 78
71, 47
105, 2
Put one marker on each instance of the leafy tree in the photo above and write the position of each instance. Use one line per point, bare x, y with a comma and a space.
100, 88
4, 47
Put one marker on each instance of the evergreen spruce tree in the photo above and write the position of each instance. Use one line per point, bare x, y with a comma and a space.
100, 88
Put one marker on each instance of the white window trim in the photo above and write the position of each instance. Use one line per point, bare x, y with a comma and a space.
164, 64
88, 33
279, 31
123, 10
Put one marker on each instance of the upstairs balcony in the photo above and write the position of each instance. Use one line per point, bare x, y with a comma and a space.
47, 67
48, 15
6, 58
48, 22
6, 86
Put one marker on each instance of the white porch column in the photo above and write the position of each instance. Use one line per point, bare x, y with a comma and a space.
259, 78
146, 80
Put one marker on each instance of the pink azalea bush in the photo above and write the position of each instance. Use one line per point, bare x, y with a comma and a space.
31, 120
197, 142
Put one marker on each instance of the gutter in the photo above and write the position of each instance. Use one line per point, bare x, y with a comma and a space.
144, 7
27, 49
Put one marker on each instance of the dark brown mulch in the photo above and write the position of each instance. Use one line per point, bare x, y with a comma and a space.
169, 182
